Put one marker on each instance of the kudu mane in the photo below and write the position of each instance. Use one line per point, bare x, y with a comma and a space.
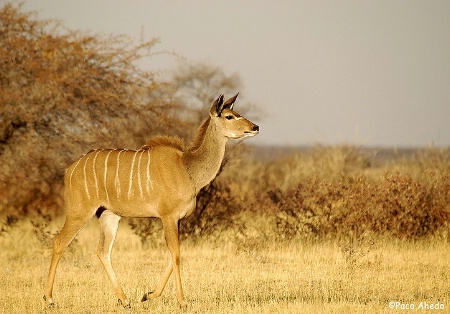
177, 142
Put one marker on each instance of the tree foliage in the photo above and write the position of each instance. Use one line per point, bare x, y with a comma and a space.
199, 84
62, 94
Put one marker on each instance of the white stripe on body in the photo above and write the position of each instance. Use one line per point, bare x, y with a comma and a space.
131, 176
95, 172
104, 175
85, 177
71, 174
116, 180
149, 181
139, 174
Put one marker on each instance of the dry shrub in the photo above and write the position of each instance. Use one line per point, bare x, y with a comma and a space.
214, 213
61, 94
320, 162
342, 197
149, 230
7, 224
396, 205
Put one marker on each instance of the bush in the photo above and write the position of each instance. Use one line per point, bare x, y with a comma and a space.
354, 206
63, 94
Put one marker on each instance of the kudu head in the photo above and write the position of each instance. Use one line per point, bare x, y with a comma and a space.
229, 122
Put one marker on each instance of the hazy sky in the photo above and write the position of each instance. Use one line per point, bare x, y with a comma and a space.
324, 71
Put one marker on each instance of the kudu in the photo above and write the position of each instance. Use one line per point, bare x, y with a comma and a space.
161, 180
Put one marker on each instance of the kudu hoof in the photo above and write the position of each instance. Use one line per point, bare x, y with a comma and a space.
145, 297
127, 304
183, 306
49, 301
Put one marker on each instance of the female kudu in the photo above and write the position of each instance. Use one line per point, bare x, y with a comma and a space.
161, 180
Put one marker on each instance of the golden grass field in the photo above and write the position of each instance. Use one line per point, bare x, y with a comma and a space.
225, 277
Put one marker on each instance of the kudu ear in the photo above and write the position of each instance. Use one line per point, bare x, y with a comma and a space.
230, 102
217, 107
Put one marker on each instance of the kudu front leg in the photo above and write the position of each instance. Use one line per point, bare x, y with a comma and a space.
162, 283
173, 243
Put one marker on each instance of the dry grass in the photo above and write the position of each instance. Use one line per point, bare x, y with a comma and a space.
223, 277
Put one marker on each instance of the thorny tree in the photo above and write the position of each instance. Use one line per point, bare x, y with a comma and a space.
62, 93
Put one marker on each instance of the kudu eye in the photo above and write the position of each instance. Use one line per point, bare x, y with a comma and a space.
229, 117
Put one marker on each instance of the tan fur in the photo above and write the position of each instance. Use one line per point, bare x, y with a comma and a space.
177, 142
160, 180
169, 141
200, 136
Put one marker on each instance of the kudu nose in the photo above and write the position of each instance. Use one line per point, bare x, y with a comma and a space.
255, 128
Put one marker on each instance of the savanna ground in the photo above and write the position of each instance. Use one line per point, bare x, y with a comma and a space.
333, 229
223, 277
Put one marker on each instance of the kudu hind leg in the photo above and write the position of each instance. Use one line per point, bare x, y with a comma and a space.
109, 224
69, 231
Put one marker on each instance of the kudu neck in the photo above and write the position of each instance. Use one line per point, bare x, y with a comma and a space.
204, 158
